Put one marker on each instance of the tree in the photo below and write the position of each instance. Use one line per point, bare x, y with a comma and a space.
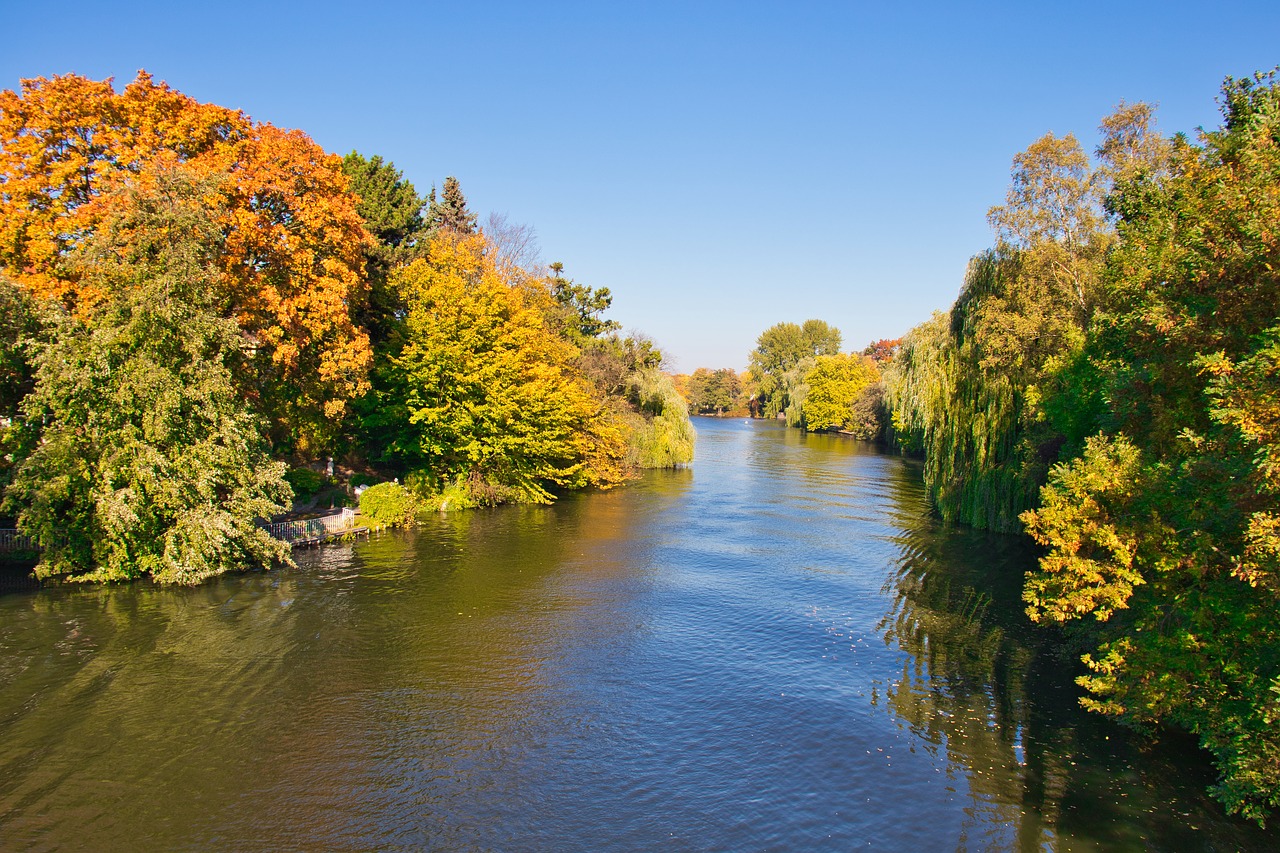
292, 257
392, 212
583, 306
141, 457
19, 326
514, 245
389, 205
883, 350
1163, 533
835, 382
483, 391
714, 392
450, 213
779, 350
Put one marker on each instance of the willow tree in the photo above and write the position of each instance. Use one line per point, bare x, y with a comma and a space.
1011, 388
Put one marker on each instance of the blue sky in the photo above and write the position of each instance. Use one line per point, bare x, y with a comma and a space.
719, 166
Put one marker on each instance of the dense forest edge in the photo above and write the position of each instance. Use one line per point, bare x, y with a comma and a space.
199, 313
1108, 383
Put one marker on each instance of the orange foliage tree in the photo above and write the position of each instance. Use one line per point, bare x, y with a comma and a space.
292, 266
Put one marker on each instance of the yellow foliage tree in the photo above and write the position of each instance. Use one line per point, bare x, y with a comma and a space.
484, 392
834, 384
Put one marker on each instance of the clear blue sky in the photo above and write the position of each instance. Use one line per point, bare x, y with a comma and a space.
719, 166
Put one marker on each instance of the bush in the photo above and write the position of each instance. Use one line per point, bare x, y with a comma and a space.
389, 505
358, 480
305, 482
661, 435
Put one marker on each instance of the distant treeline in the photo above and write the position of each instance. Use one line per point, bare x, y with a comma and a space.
799, 374
188, 298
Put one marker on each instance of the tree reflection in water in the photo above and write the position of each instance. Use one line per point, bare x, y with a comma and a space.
995, 695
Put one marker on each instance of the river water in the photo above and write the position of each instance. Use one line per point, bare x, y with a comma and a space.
777, 649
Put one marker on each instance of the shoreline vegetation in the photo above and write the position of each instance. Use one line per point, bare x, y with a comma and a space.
198, 310
1107, 383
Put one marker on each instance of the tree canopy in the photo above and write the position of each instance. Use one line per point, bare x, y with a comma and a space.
291, 261
143, 458
779, 351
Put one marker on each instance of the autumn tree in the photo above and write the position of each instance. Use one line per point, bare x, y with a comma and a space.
835, 383
483, 392
883, 350
779, 351
292, 256
139, 457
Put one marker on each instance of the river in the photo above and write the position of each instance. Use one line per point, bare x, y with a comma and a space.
776, 649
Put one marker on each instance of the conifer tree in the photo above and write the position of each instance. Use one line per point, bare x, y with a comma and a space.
450, 213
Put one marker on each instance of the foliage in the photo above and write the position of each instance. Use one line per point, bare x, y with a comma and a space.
389, 505
883, 351
992, 400
1166, 529
582, 306
780, 349
482, 387
661, 435
19, 325
305, 482
140, 455
869, 416
714, 391
450, 212
392, 211
290, 264
835, 382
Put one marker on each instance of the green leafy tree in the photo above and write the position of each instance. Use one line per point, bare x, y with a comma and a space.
1164, 532
392, 210
583, 306
20, 327
714, 391
141, 456
779, 350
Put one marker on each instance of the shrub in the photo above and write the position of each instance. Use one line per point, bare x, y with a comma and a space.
305, 482
389, 505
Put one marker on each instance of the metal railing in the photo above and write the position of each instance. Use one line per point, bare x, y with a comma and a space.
13, 541
313, 528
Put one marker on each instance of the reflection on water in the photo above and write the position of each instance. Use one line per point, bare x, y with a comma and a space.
778, 649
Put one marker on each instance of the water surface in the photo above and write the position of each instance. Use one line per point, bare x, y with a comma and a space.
777, 649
